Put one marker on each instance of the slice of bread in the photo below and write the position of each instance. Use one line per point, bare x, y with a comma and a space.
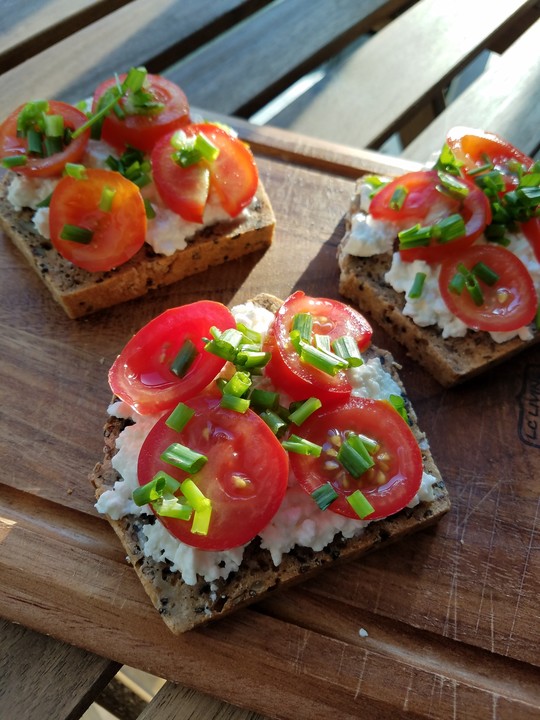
183, 606
81, 292
450, 360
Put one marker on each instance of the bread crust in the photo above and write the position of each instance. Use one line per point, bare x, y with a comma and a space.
80, 292
451, 360
184, 607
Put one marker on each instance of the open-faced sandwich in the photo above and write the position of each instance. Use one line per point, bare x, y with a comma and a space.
130, 195
447, 259
248, 449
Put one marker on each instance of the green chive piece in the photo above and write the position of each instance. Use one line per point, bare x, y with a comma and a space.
264, 399
179, 417
457, 283
201, 521
328, 363
233, 402
416, 236
184, 458
184, 358
449, 228
346, 348
474, 290
206, 147
149, 492
306, 409
480, 169
45, 202
303, 324
54, 126
107, 197
398, 403
53, 145
398, 197
276, 424
447, 161
12, 161
451, 185
250, 359
485, 273
75, 170
238, 385
324, 495
32, 116
134, 79
193, 495
173, 508
149, 209
77, 234
360, 504
418, 286
354, 455
323, 342
302, 446
191, 150
34, 142
369, 443
224, 344
251, 335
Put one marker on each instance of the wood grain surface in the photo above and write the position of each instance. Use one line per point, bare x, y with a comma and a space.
449, 617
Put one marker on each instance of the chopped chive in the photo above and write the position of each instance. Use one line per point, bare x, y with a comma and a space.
224, 344
238, 385
323, 342
302, 446
306, 409
250, 334
173, 508
354, 457
480, 169
233, 402
149, 209
273, 420
77, 234
449, 228
474, 290
418, 286
416, 236
54, 126
485, 273
34, 141
201, 521
179, 417
149, 492
369, 443
324, 495
134, 79
264, 399
303, 324
360, 504
248, 358
328, 363
451, 185
12, 161
75, 170
206, 147
398, 197
346, 348
193, 495
183, 457
31, 116
107, 197
457, 283
45, 202
53, 145
398, 403
184, 358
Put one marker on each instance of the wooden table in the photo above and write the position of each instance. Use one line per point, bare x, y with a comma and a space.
451, 615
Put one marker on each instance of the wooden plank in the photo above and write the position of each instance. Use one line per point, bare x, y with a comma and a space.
137, 34
29, 27
388, 78
44, 679
504, 100
254, 61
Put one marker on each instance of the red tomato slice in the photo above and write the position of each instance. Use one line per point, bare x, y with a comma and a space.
141, 374
473, 147
531, 230
422, 199
144, 130
508, 305
117, 234
245, 476
11, 144
232, 176
288, 372
397, 474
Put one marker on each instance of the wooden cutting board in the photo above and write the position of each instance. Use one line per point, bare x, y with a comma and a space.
444, 624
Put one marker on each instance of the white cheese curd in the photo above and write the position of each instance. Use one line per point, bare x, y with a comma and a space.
41, 222
368, 236
27, 192
298, 521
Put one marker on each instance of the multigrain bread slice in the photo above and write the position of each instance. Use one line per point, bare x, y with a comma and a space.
451, 360
184, 607
81, 292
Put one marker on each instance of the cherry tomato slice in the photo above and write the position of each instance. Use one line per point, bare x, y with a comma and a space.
141, 374
245, 476
397, 474
473, 147
144, 130
11, 144
425, 204
531, 230
292, 375
508, 305
117, 233
233, 175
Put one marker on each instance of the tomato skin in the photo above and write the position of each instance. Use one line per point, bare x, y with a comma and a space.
472, 146
118, 234
143, 131
531, 230
10, 144
141, 374
236, 445
423, 198
233, 176
513, 277
285, 368
379, 421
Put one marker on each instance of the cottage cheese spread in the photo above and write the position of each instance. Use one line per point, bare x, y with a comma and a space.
368, 237
166, 233
297, 522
